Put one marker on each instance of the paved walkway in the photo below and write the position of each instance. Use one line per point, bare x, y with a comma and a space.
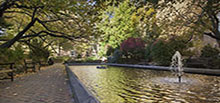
47, 86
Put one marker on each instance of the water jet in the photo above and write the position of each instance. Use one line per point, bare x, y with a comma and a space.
177, 66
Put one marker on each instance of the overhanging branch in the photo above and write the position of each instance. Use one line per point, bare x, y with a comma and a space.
18, 36
212, 36
48, 33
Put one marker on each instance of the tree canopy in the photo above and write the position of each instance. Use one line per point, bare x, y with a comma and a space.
81, 24
116, 24
67, 19
197, 17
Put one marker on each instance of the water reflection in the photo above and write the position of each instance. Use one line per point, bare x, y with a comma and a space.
126, 85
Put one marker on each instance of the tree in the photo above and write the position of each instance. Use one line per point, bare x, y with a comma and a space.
38, 51
146, 23
197, 16
67, 19
129, 18
15, 53
116, 24
161, 51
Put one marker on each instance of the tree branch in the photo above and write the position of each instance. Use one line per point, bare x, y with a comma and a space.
27, 7
20, 12
50, 46
212, 36
33, 46
41, 22
48, 33
8, 44
6, 5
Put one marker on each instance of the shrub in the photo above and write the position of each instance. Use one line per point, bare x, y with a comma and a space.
90, 59
116, 57
210, 52
133, 48
161, 51
61, 59
109, 51
14, 54
38, 51
212, 55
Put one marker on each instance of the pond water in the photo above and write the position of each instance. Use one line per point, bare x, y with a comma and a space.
130, 85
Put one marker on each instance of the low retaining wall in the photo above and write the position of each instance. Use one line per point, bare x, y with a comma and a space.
80, 93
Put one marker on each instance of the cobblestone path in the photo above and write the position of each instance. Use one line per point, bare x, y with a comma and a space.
47, 86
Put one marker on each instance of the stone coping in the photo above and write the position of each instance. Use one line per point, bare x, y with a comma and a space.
80, 93
205, 71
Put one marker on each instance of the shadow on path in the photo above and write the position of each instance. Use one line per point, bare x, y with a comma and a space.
47, 86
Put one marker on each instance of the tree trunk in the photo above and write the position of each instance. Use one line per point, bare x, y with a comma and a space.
218, 41
59, 49
215, 36
9, 43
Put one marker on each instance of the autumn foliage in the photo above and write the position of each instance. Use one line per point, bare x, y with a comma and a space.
133, 48
132, 44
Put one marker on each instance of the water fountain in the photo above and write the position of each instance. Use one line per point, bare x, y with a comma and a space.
177, 65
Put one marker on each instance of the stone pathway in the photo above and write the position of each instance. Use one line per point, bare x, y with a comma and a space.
46, 86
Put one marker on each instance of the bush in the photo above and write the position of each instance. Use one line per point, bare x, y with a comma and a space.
38, 51
116, 57
213, 56
109, 51
209, 52
161, 51
14, 54
91, 59
61, 59
133, 48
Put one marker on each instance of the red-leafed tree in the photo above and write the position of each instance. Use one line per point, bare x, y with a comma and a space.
133, 48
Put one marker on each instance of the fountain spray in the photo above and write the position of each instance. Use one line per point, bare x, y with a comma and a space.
177, 65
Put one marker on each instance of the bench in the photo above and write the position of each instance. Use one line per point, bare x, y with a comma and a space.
42, 63
8, 69
29, 64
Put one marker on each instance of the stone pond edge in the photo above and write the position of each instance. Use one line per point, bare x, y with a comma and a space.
82, 95
79, 91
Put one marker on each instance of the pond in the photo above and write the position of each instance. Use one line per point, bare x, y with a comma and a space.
130, 85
